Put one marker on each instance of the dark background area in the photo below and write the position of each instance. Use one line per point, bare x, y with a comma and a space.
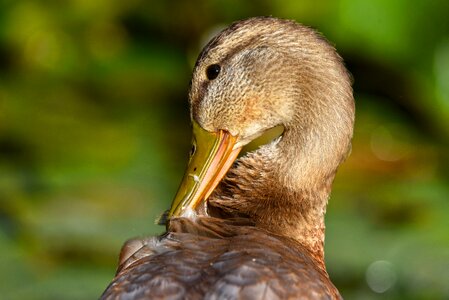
94, 137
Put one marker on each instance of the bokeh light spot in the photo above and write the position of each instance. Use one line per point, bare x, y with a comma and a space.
388, 144
43, 49
380, 276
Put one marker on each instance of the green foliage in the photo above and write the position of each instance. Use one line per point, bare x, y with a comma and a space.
94, 136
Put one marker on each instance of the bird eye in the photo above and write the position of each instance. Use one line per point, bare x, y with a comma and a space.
212, 71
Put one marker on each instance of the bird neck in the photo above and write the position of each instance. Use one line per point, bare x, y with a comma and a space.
284, 186
258, 187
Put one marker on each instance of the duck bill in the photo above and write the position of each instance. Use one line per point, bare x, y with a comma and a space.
212, 155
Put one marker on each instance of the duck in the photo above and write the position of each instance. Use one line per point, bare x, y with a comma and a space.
251, 226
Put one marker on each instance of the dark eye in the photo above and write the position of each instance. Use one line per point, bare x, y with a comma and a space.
212, 71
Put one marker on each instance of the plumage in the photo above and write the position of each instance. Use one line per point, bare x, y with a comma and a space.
258, 233
221, 259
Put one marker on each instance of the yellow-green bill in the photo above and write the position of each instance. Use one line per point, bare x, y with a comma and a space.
212, 156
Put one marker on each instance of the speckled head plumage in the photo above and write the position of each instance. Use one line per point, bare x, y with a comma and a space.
269, 69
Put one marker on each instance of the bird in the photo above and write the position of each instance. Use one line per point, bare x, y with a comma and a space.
251, 226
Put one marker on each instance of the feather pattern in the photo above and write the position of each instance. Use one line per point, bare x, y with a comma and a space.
221, 259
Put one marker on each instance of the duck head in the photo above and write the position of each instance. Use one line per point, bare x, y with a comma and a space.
257, 74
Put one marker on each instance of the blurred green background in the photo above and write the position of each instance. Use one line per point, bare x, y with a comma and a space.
94, 137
